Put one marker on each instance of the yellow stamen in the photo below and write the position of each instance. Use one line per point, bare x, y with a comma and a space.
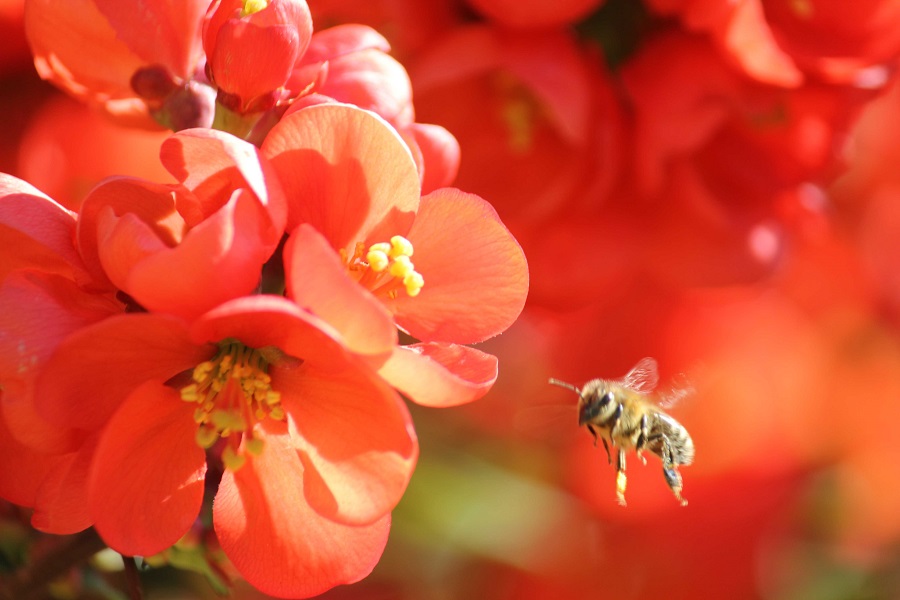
232, 460
385, 259
378, 260
233, 392
401, 267
400, 246
413, 283
253, 6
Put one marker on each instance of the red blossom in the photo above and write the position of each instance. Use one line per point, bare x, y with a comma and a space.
342, 486
93, 48
183, 249
783, 43
541, 134
716, 156
252, 47
349, 200
46, 293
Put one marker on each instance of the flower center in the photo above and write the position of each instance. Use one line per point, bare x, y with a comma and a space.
386, 267
234, 392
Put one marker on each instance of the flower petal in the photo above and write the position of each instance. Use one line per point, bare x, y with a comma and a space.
219, 259
151, 203
146, 482
212, 163
96, 368
476, 277
159, 32
356, 440
38, 311
440, 155
317, 281
272, 321
22, 470
38, 228
276, 540
440, 375
346, 172
61, 506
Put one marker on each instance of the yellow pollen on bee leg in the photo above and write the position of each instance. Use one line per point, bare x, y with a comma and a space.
233, 392
621, 481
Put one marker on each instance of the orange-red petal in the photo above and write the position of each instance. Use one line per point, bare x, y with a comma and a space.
38, 228
317, 280
61, 506
37, 312
213, 163
335, 155
22, 469
263, 321
219, 259
476, 277
277, 542
96, 368
355, 438
440, 375
146, 481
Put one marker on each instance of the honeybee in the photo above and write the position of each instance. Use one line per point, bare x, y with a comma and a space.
625, 414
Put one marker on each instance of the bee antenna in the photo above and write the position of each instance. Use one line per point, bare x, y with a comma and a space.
563, 384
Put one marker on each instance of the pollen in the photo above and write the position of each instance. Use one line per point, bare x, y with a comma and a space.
233, 392
386, 268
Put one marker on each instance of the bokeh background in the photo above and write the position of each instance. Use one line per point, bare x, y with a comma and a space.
681, 192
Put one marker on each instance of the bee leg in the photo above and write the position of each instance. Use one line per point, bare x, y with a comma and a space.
606, 447
593, 433
642, 439
670, 471
621, 479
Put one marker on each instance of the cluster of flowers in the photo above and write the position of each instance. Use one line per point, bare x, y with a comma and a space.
244, 330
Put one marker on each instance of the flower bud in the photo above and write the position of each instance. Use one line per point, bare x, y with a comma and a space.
251, 48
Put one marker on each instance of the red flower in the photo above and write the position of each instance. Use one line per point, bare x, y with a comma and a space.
444, 265
252, 47
717, 155
317, 449
93, 49
783, 42
540, 130
183, 249
43, 299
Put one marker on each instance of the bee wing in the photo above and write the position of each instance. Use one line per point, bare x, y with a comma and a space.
643, 377
680, 388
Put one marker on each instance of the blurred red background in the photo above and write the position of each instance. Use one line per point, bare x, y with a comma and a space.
682, 190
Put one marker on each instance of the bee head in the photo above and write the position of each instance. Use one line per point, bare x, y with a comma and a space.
594, 405
594, 399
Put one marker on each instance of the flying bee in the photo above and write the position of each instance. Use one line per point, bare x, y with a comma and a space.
625, 414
